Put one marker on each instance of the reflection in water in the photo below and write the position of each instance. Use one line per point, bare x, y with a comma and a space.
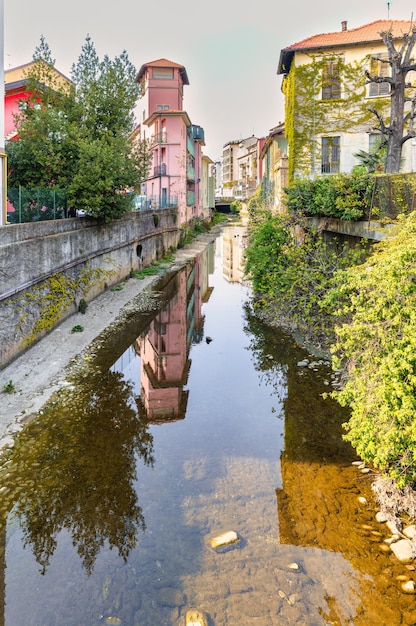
164, 347
75, 469
118, 508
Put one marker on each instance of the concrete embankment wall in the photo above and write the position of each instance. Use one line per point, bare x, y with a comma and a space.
373, 231
46, 268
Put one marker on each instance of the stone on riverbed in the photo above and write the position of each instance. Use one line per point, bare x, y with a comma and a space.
409, 587
403, 550
225, 539
410, 531
195, 617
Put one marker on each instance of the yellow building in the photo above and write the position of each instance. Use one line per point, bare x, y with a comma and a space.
328, 97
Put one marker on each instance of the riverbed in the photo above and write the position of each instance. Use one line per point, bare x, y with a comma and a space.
191, 420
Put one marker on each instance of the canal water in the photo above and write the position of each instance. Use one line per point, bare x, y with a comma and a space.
192, 420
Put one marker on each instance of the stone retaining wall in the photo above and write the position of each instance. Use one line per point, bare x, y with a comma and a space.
46, 268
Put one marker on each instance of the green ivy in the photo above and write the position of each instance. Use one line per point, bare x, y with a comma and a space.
292, 268
374, 305
53, 297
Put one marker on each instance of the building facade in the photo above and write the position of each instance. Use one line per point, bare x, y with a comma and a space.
273, 157
16, 92
240, 168
175, 176
329, 98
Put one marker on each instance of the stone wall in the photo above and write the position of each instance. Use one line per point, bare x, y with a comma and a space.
46, 268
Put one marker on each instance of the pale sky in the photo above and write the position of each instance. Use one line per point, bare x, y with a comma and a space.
230, 48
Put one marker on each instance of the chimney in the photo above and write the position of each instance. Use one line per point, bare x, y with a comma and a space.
344, 25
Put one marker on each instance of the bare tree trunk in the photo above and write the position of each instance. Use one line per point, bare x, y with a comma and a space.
395, 138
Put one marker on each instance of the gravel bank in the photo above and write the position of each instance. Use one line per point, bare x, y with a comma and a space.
40, 371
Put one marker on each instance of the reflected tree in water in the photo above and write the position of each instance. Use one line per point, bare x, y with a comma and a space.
266, 346
74, 469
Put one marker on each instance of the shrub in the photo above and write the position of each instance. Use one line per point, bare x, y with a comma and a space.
82, 307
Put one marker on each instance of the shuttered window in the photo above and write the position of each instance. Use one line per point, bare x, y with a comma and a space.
331, 82
378, 68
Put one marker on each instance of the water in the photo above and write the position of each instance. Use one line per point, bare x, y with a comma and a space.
191, 421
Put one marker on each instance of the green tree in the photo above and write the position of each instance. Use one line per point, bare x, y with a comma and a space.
45, 154
107, 91
77, 134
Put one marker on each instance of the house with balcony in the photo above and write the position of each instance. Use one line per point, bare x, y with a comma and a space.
328, 98
175, 176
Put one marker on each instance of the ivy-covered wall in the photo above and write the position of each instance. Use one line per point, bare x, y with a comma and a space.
46, 272
308, 117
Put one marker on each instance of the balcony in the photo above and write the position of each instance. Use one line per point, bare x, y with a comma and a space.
164, 202
160, 170
160, 137
197, 133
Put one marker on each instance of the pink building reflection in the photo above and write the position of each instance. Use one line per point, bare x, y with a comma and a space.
164, 349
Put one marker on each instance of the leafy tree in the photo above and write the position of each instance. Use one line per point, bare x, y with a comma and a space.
43, 52
105, 170
292, 269
399, 128
374, 305
107, 91
45, 154
77, 135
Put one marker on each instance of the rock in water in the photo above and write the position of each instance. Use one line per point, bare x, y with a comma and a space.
225, 539
195, 617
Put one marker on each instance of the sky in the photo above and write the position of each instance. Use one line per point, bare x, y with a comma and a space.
230, 48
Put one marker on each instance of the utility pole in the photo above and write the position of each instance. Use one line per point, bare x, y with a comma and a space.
3, 169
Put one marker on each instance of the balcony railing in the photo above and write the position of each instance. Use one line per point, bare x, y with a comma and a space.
160, 137
160, 170
164, 202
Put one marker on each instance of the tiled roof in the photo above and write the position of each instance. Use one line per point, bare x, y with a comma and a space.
345, 37
362, 34
163, 63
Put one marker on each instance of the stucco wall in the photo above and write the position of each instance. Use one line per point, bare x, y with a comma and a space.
88, 256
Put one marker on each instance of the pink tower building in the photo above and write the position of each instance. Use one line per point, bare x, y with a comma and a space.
174, 179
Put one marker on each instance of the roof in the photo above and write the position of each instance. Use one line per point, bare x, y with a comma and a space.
168, 113
20, 72
163, 63
368, 33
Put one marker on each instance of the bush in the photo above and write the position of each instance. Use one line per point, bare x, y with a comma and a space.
292, 268
82, 307
347, 197
375, 306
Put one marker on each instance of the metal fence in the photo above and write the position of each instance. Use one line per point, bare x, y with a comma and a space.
393, 194
34, 205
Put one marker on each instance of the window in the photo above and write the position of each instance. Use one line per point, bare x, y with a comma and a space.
331, 83
162, 107
378, 67
330, 155
374, 140
163, 73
